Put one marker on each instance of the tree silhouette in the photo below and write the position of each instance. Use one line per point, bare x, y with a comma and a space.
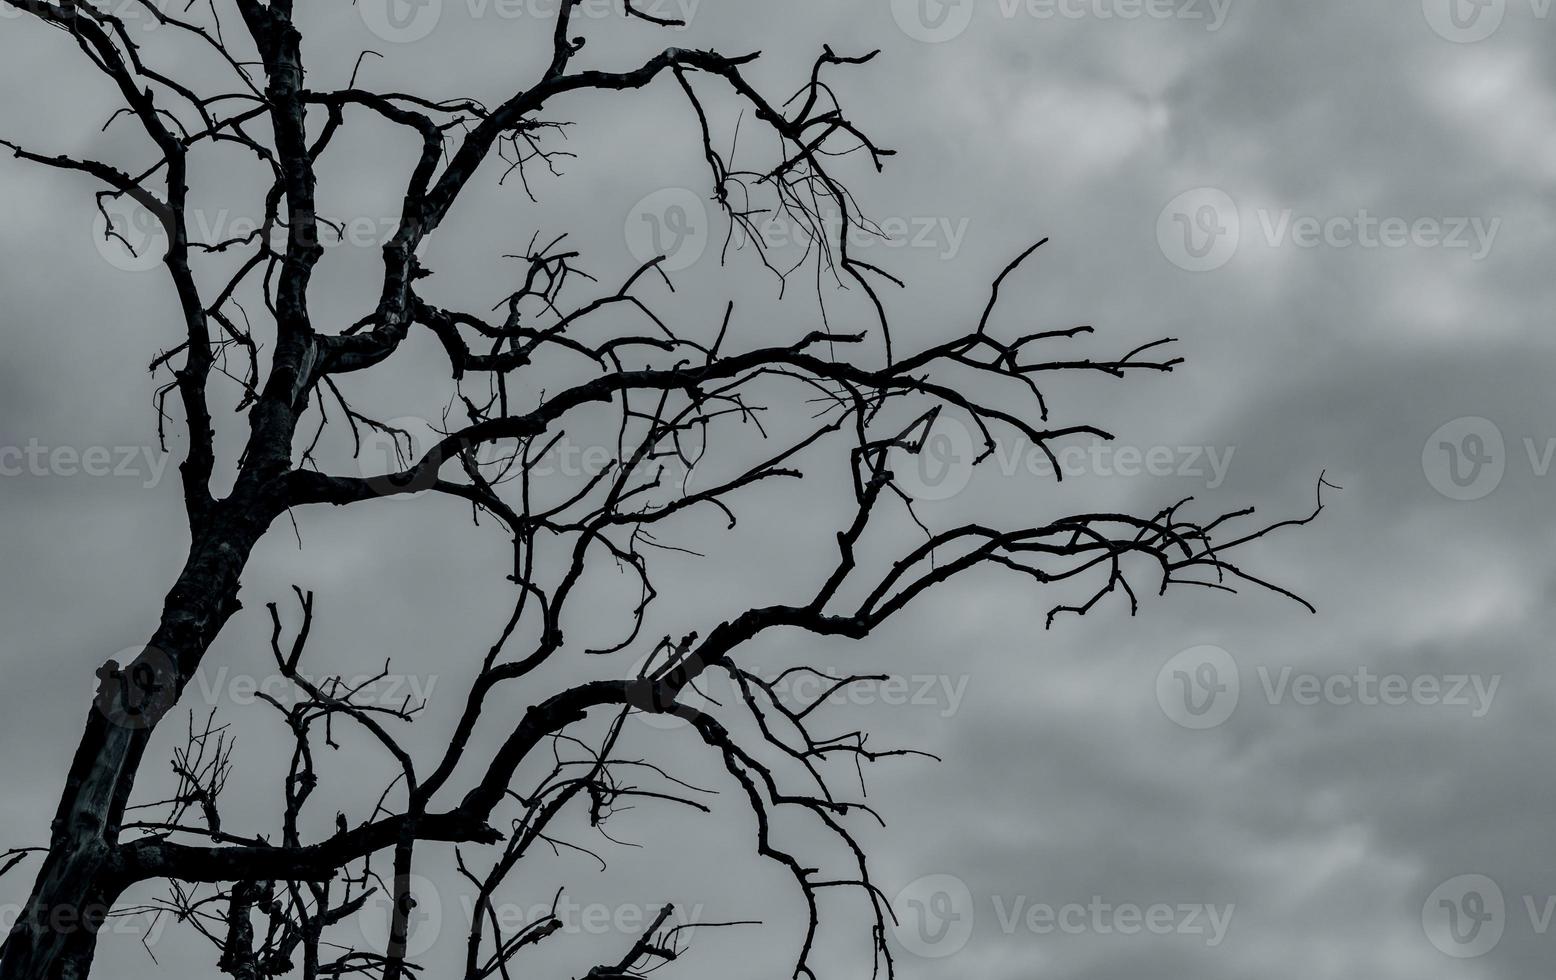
689, 437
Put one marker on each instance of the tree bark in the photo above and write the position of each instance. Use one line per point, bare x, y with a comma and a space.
55, 935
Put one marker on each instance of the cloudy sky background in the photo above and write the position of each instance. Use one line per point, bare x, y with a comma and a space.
1066, 778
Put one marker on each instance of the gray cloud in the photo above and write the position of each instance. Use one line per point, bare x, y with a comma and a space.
1327, 825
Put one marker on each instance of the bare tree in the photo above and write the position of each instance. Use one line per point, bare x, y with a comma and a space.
688, 416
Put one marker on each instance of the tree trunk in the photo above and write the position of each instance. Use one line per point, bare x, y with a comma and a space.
55, 935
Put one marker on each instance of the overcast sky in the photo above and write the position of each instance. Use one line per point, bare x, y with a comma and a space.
1342, 210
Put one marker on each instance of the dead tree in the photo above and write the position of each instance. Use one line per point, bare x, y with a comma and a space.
676, 400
